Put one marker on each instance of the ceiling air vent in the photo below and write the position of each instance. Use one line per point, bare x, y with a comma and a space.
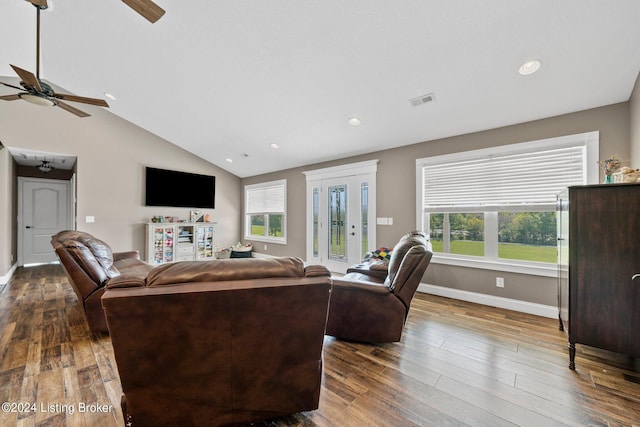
424, 99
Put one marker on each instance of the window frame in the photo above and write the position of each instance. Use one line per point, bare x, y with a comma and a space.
490, 261
266, 212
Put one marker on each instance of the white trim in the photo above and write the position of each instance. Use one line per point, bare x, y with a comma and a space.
490, 300
369, 166
522, 267
246, 223
590, 140
5, 279
355, 174
261, 255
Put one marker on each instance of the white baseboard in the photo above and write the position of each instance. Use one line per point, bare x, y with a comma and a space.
259, 255
490, 300
5, 279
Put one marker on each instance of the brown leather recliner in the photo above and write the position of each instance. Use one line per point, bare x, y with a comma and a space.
368, 305
90, 264
219, 342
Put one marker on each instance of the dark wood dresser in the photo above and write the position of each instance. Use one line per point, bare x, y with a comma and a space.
599, 240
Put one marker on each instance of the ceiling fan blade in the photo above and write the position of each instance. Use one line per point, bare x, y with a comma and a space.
83, 99
28, 77
71, 109
11, 86
151, 11
10, 97
39, 3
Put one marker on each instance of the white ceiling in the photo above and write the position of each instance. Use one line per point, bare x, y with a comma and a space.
33, 158
224, 79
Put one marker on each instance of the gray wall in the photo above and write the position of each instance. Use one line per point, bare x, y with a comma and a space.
111, 156
7, 212
397, 193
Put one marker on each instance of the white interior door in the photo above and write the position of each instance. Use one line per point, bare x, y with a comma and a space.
340, 209
45, 208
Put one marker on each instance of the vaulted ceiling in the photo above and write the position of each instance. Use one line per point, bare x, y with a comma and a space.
226, 79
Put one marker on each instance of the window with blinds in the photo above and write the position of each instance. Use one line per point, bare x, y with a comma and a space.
492, 182
265, 211
499, 203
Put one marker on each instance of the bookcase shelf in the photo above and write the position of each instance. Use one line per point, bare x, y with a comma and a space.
180, 241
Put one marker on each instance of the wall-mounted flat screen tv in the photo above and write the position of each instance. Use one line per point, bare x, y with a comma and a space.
179, 189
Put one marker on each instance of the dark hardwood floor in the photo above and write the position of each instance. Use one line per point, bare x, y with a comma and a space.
458, 364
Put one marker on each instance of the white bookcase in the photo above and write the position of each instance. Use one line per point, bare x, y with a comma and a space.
180, 241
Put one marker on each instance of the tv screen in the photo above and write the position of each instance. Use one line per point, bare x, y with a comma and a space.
179, 189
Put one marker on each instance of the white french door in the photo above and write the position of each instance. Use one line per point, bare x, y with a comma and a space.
340, 215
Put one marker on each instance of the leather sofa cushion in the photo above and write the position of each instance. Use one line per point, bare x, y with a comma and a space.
86, 260
125, 281
102, 252
225, 270
408, 241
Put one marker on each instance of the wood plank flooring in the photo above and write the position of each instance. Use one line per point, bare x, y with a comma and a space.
458, 364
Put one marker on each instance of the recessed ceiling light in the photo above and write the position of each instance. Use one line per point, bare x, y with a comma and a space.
229, 160
110, 96
274, 145
354, 121
529, 67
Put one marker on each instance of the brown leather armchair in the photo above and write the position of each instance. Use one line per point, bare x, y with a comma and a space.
90, 264
219, 342
369, 305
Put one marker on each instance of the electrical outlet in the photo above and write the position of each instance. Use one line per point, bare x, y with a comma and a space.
500, 282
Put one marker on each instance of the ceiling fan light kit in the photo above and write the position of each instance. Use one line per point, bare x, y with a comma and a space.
37, 99
45, 167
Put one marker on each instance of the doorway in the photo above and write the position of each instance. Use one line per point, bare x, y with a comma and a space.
45, 207
341, 214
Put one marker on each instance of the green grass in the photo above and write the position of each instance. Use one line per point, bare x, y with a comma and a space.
505, 250
258, 230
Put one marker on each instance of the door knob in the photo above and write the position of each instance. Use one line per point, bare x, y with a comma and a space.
28, 226
635, 276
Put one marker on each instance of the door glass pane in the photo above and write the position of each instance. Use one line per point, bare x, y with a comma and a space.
337, 223
527, 236
364, 216
316, 209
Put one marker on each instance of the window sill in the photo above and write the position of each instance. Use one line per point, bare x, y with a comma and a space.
531, 268
281, 241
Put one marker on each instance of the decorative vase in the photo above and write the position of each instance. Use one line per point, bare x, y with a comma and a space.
608, 179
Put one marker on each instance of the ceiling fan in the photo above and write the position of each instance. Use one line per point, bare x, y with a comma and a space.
45, 166
148, 9
38, 92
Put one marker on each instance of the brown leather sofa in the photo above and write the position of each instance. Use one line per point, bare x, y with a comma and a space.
90, 264
370, 304
219, 342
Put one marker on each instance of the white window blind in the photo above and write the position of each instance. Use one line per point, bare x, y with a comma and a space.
266, 198
511, 180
